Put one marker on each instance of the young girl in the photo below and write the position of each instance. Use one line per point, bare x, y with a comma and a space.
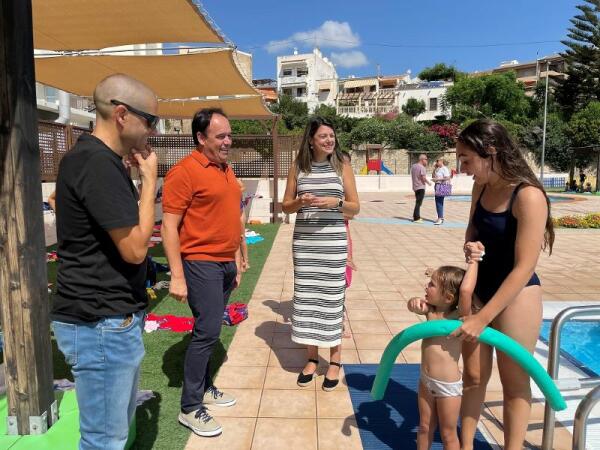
440, 387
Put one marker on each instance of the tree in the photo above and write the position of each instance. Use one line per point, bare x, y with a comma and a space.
584, 126
439, 71
582, 58
294, 113
413, 107
497, 95
370, 131
341, 123
557, 154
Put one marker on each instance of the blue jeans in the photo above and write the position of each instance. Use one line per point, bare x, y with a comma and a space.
439, 206
105, 359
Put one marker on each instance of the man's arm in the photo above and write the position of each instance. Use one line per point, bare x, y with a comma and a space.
170, 235
132, 242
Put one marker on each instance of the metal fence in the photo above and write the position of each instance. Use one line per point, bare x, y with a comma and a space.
251, 156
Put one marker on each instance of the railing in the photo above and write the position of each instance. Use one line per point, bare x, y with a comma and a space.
581, 417
553, 365
366, 109
293, 80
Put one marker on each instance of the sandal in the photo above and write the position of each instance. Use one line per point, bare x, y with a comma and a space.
304, 379
330, 385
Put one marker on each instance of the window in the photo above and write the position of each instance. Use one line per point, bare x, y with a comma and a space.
300, 92
287, 72
433, 104
301, 72
287, 91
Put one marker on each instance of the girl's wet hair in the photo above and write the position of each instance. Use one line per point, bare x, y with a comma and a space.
449, 279
483, 137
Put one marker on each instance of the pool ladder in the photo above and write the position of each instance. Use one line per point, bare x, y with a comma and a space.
592, 397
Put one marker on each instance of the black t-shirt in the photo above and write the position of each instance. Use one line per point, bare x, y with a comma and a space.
94, 194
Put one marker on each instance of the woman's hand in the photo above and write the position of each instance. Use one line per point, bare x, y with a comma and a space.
474, 251
325, 202
306, 199
471, 328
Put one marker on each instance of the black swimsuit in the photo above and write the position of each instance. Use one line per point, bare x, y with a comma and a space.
498, 233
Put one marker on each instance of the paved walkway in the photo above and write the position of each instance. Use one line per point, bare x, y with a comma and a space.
263, 363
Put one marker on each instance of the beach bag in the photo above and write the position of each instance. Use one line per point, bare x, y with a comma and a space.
443, 189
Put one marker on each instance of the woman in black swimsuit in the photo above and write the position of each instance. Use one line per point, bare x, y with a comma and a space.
510, 216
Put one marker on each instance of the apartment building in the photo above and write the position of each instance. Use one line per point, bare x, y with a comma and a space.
369, 96
530, 73
309, 77
431, 92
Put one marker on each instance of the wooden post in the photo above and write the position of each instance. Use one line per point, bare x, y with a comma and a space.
275, 137
23, 278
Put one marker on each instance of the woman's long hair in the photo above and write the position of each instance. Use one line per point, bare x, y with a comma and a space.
305, 155
512, 167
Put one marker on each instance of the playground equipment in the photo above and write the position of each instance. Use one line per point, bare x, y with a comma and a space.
375, 164
489, 336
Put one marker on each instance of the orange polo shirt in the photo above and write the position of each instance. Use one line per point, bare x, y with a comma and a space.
208, 197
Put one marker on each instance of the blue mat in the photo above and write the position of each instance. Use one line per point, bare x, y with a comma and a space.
393, 421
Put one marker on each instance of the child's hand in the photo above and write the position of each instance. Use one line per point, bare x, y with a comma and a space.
418, 305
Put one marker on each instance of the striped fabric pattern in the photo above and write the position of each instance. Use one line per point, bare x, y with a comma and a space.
320, 250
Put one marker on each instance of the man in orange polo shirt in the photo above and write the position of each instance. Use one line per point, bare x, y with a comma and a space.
201, 233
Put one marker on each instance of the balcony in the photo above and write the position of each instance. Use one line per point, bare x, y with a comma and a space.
293, 80
365, 111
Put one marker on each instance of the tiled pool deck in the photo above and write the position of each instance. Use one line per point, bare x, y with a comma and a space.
391, 255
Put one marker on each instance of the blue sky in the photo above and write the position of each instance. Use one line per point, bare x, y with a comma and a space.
398, 35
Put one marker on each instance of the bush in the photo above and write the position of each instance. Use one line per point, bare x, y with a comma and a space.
587, 221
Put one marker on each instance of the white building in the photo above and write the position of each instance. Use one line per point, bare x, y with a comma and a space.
308, 77
431, 92
369, 96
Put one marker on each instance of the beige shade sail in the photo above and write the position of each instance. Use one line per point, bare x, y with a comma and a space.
97, 24
202, 74
236, 108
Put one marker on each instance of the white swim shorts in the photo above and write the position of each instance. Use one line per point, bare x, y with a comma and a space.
439, 388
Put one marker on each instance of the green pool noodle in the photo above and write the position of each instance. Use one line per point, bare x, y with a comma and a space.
489, 336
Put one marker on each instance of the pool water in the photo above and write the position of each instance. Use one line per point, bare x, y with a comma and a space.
467, 198
580, 343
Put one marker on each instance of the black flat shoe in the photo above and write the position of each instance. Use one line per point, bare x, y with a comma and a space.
304, 379
330, 385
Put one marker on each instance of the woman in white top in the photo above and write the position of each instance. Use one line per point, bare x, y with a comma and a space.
441, 176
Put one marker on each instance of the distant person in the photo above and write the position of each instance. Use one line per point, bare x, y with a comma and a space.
510, 216
201, 233
419, 180
441, 178
582, 178
440, 386
320, 189
103, 233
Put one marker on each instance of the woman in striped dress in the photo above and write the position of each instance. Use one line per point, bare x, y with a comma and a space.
320, 188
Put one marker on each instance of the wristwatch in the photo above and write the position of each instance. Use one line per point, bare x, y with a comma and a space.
340, 203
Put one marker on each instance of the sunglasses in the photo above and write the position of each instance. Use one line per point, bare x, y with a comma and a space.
151, 119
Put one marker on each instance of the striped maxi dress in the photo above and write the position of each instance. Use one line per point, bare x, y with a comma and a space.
320, 251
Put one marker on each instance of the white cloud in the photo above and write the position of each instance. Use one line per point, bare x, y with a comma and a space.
350, 59
330, 34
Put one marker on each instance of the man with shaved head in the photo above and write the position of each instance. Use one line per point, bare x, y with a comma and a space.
103, 231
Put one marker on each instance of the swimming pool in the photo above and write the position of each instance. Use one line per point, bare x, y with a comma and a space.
467, 198
580, 343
